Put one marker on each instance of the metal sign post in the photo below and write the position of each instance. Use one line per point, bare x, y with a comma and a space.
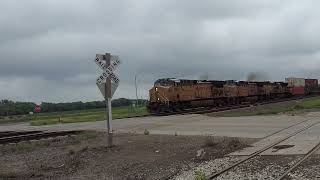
108, 102
107, 84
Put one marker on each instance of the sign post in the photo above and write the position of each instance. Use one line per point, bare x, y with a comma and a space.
107, 84
108, 102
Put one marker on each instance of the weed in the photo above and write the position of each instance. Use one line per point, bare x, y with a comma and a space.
85, 148
200, 175
26, 146
88, 135
234, 142
211, 141
298, 107
71, 152
146, 132
8, 175
175, 133
260, 113
20, 147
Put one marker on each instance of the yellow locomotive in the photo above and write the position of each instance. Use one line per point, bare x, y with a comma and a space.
177, 94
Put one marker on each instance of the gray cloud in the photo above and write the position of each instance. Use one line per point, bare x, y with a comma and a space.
47, 47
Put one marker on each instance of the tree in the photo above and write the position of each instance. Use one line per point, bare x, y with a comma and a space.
8, 107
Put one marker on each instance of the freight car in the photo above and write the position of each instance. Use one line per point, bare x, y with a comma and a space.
296, 85
177, 94
311, 86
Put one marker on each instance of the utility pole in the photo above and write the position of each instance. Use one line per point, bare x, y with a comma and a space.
135, 82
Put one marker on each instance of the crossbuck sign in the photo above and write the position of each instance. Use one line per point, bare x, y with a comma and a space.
108, 71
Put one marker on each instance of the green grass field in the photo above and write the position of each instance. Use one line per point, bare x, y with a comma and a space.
296, 107
124, 112
84, 115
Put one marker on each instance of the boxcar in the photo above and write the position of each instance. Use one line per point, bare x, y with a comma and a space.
311, 86
297, 91
311, 82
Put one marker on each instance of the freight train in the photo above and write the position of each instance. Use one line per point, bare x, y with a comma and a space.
178, 94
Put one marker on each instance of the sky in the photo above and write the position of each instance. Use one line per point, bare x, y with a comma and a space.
47, 48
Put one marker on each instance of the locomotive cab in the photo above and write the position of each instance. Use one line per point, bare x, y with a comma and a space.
159, 95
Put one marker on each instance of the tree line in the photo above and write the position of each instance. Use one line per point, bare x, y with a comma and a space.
8, 107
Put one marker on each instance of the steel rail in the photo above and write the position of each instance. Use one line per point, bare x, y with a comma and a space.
40, 135
312, 151
16, 133
287, 128
261, 150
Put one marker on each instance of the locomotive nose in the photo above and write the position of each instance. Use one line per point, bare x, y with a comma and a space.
153, 94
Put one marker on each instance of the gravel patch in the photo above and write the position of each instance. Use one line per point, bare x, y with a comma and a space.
261, 167
309, 169
208, 167
134, 156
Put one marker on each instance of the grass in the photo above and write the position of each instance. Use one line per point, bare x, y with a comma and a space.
270, 111
299, 106
25, 146
124, 112
14, 119
85, 115
88, 135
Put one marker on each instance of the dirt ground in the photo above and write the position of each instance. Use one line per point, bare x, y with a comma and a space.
134, 156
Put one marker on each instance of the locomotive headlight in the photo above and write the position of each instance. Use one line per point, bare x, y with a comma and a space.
156, 89
158, 99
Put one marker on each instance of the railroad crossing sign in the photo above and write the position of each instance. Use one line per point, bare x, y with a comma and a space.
108, 83
108, 71
37, 109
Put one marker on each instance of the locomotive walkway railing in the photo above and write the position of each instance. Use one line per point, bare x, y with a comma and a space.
166, 100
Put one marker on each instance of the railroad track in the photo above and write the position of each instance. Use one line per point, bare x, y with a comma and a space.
16, 133
199, 110
203, 110
14, 137
311, 152
258, 152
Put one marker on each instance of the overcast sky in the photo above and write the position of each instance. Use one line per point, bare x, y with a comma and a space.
47, 47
